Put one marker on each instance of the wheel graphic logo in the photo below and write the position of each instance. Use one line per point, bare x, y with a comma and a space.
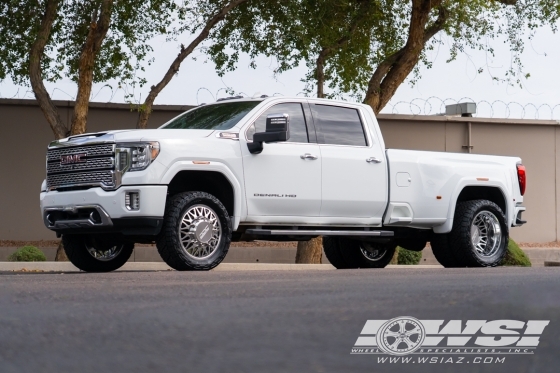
401, 336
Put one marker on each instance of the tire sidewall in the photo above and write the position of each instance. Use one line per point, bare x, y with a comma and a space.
174, 220
77, 253
442, 252
473, 256
352, 254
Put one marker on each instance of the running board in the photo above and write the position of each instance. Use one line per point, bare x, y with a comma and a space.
295, 232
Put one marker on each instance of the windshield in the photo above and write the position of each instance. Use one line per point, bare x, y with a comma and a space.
212, 117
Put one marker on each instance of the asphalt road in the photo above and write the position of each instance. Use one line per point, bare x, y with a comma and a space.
269, 321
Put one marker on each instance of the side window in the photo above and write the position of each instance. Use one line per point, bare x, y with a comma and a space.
298, 129
339, 126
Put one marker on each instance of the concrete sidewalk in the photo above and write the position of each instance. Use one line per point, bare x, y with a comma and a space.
158, 266
236, 254
285, 255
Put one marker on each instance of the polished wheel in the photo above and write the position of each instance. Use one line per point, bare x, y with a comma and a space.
479, 236
347, 253
96, 253
196, 232
200, 231
371, 252
486, 234
104, 254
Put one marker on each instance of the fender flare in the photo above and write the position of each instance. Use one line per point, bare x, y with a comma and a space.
239, 208
468, 182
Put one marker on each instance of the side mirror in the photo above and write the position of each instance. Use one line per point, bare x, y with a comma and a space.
277, 129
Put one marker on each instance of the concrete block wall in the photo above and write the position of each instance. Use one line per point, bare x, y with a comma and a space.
25, 135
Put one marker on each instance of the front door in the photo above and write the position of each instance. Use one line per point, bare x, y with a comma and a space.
285, 178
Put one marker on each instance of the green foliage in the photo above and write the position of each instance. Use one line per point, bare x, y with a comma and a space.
408, 257
296, 31
515, 256
133, 24
27, 254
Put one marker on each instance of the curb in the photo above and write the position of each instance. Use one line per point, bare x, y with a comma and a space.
157, 266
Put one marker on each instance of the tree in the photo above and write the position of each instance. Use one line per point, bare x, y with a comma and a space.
206, 15
87, 41
373, 46
368, 48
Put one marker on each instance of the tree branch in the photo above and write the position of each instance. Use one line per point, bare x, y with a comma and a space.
36, 74
184, 53
507, 2
391, 72
325, 52
96, 34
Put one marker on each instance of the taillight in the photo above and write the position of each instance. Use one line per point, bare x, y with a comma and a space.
522, 177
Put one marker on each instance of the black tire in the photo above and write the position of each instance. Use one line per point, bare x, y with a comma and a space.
169, 244
112, 254
333, 254
442, 251
487, 214
348, 253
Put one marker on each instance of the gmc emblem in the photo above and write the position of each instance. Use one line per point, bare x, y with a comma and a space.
72, 158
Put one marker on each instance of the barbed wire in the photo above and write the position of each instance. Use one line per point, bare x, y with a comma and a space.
418, 106
484, 109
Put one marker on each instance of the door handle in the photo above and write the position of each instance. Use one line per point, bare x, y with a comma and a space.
308, 156
373, 160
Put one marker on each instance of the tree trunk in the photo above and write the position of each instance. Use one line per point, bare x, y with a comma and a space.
48, 108
393, 71
146, 108
36, 74
310, 252
96, 34
326, 51
98, 30
395, 258
320, 72
60, 253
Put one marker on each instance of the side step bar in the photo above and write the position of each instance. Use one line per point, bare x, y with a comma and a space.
296, 232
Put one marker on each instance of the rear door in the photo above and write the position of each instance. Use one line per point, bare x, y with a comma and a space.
354, 176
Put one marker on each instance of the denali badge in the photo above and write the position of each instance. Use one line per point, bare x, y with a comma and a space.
72, 158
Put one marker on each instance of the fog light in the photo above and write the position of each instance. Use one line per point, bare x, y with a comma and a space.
132, 201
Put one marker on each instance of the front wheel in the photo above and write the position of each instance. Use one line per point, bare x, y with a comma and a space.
196, 232
94, 253
345, 253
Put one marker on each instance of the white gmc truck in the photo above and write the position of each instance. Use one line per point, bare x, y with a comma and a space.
277, 169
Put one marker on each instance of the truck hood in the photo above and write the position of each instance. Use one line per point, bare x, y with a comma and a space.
159, 134
133, 135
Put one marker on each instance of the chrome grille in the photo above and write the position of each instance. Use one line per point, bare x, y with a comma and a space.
95, 167
91, 150
79, 179
90, 164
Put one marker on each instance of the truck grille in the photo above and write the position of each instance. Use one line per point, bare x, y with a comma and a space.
81, 166
92, 150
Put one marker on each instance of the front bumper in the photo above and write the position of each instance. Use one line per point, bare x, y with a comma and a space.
96, 210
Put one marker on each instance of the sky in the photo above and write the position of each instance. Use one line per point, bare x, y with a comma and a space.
445, 83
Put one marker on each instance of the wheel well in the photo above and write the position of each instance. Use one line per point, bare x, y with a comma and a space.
211, 182
489, 193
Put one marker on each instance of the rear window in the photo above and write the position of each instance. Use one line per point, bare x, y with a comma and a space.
339, 125
212, 117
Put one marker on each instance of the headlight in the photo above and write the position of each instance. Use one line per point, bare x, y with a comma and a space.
136, 156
